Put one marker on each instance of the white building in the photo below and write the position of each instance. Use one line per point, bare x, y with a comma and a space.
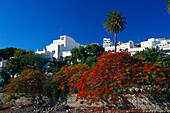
162, 43
2, 64
60, 48
120, 45
107, 43
46, 54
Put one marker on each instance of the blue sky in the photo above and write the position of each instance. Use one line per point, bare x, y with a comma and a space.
33, 24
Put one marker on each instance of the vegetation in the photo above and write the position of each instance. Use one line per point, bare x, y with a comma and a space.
94, 76
25, 60
154, 55
7, 53
115, 23
62, 83
168, 5
30, 82
86, 55
118, 74
5, 77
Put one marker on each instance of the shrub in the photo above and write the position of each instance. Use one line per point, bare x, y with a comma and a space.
63, 83
29, 82
154, 55
118, 74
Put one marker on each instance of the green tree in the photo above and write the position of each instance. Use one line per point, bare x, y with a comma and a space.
5, 76
7, 53
25, 60
114, 23
18, 53
74, 55
94, 50
86, 54
32, 61
12, 66
168, 5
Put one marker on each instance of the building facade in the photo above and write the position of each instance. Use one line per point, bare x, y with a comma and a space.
162, 43
59, 48
107, 42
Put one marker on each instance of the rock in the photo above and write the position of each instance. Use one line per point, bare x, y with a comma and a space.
23, 101
37, 111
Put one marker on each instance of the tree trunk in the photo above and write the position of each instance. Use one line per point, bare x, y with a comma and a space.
115, 41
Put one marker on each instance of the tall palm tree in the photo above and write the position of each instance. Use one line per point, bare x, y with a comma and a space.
114, 23
168, 5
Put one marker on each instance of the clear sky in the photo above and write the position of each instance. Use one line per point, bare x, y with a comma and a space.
33, 24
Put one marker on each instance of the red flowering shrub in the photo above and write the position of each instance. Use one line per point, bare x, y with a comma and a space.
119, 74
63, 83
70, 75
28, 82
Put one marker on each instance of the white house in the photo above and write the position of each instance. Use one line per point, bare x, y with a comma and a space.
60, 48
162, 43
120, 45
107, 43
156, 42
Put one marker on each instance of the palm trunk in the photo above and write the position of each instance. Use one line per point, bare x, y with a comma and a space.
115, 41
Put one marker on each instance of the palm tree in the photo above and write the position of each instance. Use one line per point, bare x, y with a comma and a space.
114, 23
168, 5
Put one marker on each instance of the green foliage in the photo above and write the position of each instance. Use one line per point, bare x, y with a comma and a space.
154, 55
86, 54
51, 90
13, 66
25, 60
114, 22
5, 76
168, 5
7, 53
18, 53
32, 61
61, 63
62, 84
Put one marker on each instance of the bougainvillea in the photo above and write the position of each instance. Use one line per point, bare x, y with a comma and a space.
28, 82
118, 74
